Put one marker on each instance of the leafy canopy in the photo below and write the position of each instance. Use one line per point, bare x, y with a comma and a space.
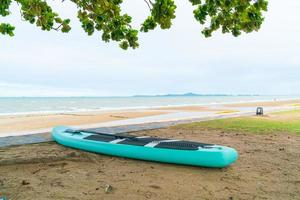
105, 16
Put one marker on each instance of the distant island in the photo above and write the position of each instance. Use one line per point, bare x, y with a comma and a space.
190, 94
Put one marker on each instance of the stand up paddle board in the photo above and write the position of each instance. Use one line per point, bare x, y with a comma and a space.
146, 148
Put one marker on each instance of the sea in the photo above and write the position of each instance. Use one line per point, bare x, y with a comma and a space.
49, 105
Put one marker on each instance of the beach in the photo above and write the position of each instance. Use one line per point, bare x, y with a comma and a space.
45, 121
26, 123
267, 168
149, 100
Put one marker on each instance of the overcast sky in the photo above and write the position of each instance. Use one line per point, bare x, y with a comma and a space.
179, 60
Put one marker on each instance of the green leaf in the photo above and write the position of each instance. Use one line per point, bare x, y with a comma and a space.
7, 29
106, 18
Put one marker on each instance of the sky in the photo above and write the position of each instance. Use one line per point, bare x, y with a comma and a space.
179, 60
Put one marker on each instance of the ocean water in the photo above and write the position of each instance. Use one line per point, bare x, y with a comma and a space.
30, 105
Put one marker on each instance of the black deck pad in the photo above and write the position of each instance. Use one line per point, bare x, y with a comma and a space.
140, 141
135, 141
182, 145
101, 138
116, 136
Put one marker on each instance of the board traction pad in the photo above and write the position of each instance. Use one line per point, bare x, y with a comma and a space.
135, 141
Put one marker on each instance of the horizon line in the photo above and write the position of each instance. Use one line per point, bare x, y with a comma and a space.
155, 95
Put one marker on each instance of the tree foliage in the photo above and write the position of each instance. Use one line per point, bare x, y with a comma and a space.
105, 16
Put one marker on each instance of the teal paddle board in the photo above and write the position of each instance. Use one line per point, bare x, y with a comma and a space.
146, 148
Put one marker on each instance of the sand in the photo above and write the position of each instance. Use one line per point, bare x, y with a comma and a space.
21, 123
268, 168
33, 122
268, 165
190, 108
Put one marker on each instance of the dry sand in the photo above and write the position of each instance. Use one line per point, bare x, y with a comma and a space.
268, 168
33, 122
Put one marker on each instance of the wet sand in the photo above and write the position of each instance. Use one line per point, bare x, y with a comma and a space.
190, 108
268, 168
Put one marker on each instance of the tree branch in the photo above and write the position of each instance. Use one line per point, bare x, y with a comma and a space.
148, 4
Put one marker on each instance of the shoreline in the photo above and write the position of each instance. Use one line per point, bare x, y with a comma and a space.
15, 125
137, 108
